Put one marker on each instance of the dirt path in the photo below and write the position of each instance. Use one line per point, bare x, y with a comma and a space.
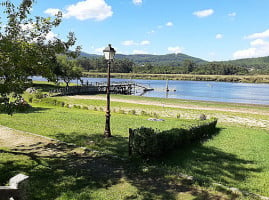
10, 138
20, 141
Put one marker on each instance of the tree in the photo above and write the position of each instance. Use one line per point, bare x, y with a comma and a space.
68, 69
25, 50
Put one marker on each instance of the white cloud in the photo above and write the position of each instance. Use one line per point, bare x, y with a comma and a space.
139, 52
169, 24
258, 42
233, 14
51, 36
83, 10
52, 11
27, 27
264, 34
159, 27
246, 53
175, 49
128, 43
259, 47
203, 13
137, 2
133, 43
151, 32
144, 42
219, 36
99, 50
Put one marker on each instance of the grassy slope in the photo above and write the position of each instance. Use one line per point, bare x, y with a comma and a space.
237, 156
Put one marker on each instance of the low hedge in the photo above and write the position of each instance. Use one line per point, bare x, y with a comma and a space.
147, 142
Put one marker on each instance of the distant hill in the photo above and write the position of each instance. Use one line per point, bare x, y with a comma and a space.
160, 59
259, 65
250, 61
87, 55
153, 59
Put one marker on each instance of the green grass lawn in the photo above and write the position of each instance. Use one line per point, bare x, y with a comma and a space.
82, 126
236, 157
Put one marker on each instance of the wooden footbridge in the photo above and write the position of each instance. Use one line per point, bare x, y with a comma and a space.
126, 88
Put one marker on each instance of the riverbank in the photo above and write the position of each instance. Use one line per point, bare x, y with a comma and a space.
189, 77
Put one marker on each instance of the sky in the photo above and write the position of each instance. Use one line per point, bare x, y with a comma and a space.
212, 30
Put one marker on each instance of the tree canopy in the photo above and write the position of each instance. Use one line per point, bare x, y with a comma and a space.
25, 48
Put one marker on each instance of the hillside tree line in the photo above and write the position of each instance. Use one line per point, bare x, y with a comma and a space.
124, 65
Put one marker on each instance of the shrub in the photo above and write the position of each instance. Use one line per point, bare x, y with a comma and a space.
144, 113
38, 94
30, 99
85, 108
132, 112
147, 142
59, 103
76, 106
121, 111
202, 117
155, 115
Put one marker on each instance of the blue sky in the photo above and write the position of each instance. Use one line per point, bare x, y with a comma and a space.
208, 29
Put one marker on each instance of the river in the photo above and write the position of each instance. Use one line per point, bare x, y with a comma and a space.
199, 90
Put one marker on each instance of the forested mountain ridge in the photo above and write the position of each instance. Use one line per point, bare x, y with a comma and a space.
175, 64
261, 63
152, 59
160, 59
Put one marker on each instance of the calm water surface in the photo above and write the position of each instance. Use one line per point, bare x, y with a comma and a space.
201, 90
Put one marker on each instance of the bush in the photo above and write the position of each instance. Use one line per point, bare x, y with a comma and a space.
30, 99
38, 94
85, 108
155, 115
121, 111
144, 113
202, 117
147, 142
76, 106
132, 112
19, 105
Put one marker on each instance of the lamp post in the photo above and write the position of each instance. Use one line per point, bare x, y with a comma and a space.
109, 54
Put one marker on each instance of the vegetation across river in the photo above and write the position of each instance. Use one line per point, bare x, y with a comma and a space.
192, 77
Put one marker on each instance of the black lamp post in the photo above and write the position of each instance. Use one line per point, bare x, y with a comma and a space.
109, 54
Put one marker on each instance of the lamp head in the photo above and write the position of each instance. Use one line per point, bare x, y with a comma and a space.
109, 52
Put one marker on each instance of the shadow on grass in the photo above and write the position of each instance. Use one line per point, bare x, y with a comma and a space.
46, 87
72, 176
116, 145
33, 110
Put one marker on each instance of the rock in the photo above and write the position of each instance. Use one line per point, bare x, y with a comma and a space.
31, 90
